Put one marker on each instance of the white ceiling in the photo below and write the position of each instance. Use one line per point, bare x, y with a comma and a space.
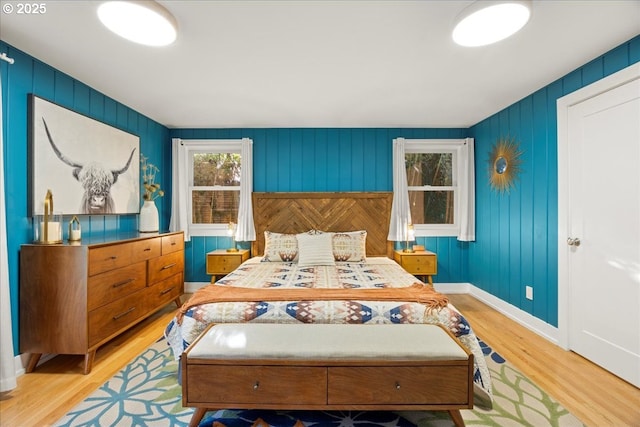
320, 63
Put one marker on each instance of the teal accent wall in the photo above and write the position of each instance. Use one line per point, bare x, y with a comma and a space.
28, 75
346, 159
517, 233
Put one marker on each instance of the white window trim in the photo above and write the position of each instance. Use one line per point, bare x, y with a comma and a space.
195, 146
453, 146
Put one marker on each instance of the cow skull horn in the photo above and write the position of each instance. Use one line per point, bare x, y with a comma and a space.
57, 151
117, 173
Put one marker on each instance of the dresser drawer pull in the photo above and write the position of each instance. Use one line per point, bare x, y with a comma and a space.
113, 257
117, 316
256, 385
397, 385
168, 266
147, 249
124, 282
166, 291
173, 243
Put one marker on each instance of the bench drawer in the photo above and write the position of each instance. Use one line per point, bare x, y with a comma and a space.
255, 385
411, 385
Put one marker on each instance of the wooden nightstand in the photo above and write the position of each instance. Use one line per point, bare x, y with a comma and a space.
422, 263
220, 262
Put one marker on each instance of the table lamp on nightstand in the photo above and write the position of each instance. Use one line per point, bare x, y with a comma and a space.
410, 237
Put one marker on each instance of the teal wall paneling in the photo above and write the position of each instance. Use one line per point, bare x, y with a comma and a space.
28, 75
321, 159
517, 233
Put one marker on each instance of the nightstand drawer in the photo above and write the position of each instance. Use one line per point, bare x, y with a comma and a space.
223, 264
220, 262
422, 264
419, 264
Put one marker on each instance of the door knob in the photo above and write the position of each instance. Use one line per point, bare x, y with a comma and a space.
573, 242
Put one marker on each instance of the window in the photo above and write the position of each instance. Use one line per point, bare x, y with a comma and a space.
213, 185
437, 172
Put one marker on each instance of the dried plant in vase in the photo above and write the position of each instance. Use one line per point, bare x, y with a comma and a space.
150, 187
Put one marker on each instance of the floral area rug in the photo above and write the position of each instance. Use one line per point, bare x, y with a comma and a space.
146, 393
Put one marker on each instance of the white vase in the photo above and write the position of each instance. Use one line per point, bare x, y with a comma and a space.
149, 217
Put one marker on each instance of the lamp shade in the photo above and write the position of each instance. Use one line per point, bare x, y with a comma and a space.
485, 22
145, 22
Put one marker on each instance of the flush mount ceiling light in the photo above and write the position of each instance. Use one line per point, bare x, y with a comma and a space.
485, 22
145, 21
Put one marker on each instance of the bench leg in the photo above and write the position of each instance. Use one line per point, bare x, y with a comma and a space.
456, 416
197, 417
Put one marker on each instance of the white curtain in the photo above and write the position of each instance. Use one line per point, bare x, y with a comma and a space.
7, 365
179, 188
246, 231
467, 193
400, 212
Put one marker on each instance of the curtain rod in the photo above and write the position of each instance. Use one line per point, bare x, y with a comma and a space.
4, 57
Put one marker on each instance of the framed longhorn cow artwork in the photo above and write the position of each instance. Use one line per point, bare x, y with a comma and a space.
90, 167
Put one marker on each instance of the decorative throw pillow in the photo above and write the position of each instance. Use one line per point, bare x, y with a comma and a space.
349, 246
315, 249
279, 247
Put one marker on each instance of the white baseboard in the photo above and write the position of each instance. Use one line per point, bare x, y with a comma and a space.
525, 319
191, 287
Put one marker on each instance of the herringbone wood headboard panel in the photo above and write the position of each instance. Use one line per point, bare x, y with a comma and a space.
300, 212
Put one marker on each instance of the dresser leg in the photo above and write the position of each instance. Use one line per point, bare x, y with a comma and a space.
197, 417
178, 302
456, 416
34, 358
88, 361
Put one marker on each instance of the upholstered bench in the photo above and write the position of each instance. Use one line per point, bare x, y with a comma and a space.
327, 367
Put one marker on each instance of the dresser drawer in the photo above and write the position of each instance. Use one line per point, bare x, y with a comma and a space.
257, 384
172, 243
165, 266
106, 287
410, 385
109, 258
117, 315
165, 291
143, 250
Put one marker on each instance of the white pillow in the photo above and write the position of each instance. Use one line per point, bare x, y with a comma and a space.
315, 249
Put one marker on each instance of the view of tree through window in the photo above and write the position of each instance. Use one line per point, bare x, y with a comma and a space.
425, 173
216, 188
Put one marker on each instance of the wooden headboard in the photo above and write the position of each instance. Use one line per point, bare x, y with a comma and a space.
299, 212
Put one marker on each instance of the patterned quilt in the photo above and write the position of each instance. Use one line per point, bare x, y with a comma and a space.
373, 273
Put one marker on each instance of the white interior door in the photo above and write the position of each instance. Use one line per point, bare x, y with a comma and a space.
603, 229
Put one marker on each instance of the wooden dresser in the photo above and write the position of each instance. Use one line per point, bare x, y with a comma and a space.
76, 297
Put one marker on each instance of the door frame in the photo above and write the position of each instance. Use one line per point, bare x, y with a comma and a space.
617, 79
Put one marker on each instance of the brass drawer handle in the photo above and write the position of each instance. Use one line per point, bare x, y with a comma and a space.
124, 282
117, 316
397, 385
256, 385
166, 291
168, 266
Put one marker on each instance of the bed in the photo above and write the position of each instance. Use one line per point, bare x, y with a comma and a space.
323, 258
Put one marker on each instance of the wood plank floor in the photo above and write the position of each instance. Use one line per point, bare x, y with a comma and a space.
596, 397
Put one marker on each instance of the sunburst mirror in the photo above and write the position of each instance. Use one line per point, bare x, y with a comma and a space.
504, 164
